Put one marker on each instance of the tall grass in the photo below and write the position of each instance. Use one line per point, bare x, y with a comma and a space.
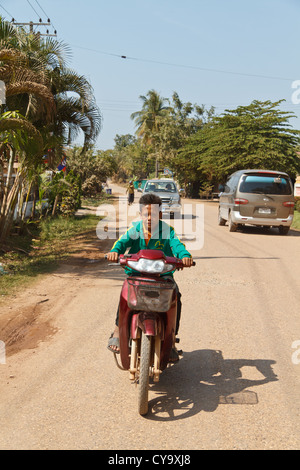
62, 228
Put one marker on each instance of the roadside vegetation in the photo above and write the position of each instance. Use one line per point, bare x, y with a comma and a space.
47, 106
296, 221
202, 149
44, 245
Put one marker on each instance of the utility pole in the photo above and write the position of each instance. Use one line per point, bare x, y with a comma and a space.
31, 24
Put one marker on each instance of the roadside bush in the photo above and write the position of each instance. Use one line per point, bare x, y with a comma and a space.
91, 186
206, 189
71, 198
93, 168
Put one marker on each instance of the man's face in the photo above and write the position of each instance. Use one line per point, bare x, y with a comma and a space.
150, 216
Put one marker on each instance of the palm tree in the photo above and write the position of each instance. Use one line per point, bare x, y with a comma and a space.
42, 88
77, 111
54, 105
149, 120
19, 138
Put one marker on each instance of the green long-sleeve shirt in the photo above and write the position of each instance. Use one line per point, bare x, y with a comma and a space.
163, 238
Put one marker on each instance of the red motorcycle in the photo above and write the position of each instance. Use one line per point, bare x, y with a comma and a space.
147, 318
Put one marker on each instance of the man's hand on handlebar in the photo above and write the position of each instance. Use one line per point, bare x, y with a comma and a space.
112, 256
187, 262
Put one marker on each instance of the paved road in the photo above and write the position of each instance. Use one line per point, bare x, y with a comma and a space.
236, 387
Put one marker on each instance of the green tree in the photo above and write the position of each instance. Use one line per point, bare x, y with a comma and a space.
149, 119
122, 141
183, 121
132, 158
256, 136
163, 127
92, 167
56, 100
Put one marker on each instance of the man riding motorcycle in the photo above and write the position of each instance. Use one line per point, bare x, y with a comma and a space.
154, 234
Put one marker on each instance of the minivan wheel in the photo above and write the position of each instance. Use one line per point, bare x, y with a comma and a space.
232, 226
221, 221
283, 230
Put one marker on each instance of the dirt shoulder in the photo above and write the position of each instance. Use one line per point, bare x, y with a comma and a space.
27, 318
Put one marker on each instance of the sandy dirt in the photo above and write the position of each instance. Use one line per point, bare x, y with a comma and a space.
24, 319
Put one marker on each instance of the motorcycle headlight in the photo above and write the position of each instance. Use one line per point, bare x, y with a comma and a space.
150, 266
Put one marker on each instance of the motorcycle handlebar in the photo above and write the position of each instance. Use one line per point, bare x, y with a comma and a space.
128, 256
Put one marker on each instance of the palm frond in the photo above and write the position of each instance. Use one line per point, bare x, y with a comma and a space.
36, 89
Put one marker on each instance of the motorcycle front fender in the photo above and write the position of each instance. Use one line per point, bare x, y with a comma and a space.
149, 326
150, 323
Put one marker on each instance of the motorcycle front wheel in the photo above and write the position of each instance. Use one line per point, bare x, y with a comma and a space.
144, 373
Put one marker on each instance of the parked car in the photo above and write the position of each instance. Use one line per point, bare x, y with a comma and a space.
167, 190
257, 197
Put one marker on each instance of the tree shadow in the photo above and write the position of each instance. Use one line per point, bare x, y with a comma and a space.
202, 380
91, 268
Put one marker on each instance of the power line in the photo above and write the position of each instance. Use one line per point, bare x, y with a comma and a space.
41, 8
47, 16
33, 9
6, 11
149, 60
99, 52
195, 67
40, 20
161, 62
31, 24
126, 106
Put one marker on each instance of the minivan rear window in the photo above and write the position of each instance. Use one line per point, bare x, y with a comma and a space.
265, 184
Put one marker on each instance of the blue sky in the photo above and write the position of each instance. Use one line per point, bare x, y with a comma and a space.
221, 53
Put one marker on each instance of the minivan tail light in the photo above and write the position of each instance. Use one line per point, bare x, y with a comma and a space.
240, 200
288, 204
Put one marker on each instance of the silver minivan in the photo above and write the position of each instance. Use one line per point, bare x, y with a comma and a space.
257, 197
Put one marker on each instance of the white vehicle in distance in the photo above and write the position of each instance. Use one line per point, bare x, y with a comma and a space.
167, 190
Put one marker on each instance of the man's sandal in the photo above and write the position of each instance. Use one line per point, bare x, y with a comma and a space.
113, 341
174, 355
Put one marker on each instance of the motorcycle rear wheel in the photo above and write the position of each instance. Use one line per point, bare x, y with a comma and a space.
144, 374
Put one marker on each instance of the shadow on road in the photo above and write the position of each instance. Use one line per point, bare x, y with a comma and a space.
203, 380
252, 230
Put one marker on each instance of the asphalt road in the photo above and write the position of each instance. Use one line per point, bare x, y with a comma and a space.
236, 386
